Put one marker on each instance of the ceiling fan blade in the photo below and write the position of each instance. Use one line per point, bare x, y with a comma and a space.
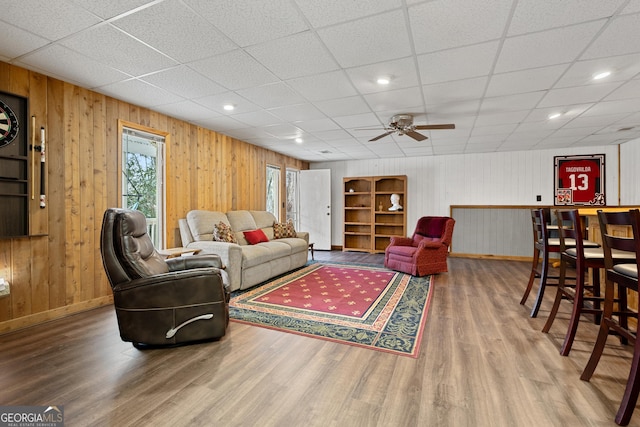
425, 127
415, 135
381, 136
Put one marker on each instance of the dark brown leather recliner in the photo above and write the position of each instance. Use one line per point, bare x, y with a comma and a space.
160, 302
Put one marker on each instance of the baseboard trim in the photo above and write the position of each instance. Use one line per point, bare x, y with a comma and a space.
54, 314
489, 256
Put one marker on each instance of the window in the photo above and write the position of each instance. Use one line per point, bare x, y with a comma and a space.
143, 179
273, 190
292, 196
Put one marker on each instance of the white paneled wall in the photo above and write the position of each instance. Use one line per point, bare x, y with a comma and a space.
630, 173
434, 183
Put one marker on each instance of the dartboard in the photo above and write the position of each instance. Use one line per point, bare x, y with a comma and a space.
8, 125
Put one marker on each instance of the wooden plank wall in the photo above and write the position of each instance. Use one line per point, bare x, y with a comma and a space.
58, 269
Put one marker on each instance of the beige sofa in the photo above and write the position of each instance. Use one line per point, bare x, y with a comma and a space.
247, 265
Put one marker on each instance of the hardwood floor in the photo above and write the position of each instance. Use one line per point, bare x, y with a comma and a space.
483, 362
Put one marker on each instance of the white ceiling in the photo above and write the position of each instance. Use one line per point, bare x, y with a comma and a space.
308, 68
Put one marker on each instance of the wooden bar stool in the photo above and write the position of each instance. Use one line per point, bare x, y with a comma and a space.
626, 278
541, 248
580, 253
543, 245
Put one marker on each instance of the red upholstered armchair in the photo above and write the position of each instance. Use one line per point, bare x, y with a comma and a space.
426, 251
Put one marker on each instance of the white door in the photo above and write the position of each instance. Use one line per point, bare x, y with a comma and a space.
315, 206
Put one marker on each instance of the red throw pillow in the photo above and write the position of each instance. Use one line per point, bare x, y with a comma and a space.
255, 236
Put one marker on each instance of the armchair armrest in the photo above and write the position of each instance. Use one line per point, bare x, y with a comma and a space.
401, 241
170, 289
195, 261
433, 244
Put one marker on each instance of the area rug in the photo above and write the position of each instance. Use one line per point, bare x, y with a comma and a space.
361, 305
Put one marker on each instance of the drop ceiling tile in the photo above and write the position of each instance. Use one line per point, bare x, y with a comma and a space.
188, 111
218, 101
451, 92
531, 128
184, 81
65, 64
234, 70
182, 38
271, 95
586, 121
220, 123
294, 56
568, 112
449, 149
395, 101
111, 8
139, 93
536, 15
501, 118
22, 41
328, 12
257, 118
283, 131
332, 135
444, 24
457, 64
322, 87
297, 112
249, 22
575, 132
577, 95
494, 130
527, 131
619, 38
632, 7
343, 106
612, 107
602, 140
508, 103
542, 49
401, 72
457, 108
580, 73
246, 133
373, 39
358, 120
318, 125
112, 47
69, 17
560, 142
523, 81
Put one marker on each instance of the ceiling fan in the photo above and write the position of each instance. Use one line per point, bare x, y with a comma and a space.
402, 124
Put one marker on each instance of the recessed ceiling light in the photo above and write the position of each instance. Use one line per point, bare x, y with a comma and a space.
383, 80
601, 75
229, 107
298, 140
554, 116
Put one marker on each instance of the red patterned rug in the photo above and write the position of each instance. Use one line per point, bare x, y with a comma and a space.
367, 306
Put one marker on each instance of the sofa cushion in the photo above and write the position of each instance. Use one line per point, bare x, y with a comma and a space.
255, 236
261, 253
263, 219
241, 221
284, 230
223, 233
201, 223
296, 244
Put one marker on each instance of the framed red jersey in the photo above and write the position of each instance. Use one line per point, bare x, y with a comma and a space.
579, 180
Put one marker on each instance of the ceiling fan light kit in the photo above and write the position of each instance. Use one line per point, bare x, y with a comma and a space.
402, 124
